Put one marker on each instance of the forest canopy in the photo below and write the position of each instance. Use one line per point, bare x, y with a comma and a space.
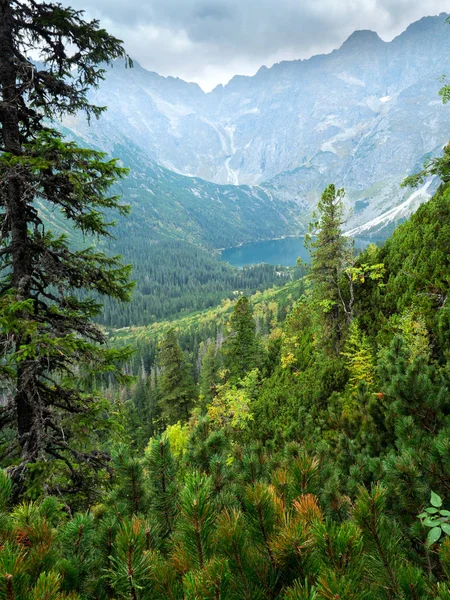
289, 444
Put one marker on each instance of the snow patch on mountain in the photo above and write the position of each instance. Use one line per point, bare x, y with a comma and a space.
403, 210
351, 80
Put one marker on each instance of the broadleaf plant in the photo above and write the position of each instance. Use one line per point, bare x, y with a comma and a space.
435, 518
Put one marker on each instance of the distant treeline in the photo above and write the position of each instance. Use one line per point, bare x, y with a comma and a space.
175, 277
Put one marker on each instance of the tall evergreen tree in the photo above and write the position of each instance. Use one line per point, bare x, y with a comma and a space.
331, 257
241, 348
47, 333
146, 410
209, 374
177, 390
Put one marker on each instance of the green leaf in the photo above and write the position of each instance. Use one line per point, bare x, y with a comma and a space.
433, 535
436, 500
446, 528
444, 513
422, 515
431, 511
429, 522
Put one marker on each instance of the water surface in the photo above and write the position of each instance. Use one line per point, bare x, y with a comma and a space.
284, 252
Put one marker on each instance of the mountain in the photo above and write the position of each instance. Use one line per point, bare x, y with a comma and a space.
176, 223
165, 203
364, 116
168, 205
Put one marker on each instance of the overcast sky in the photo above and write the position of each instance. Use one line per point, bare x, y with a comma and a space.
209, 41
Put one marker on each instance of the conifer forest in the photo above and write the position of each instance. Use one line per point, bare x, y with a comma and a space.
175, 428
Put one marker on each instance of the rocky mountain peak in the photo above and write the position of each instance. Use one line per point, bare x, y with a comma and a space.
362, 38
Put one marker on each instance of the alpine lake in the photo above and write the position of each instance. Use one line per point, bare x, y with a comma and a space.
283, 251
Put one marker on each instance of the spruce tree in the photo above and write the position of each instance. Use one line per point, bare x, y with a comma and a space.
47, 332
145, 411
176, 386
241, 348
331, 257
208, 374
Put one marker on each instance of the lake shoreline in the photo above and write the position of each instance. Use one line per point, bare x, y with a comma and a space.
262, 240
282, 251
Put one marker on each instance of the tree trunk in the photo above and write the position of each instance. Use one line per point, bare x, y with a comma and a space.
15, 206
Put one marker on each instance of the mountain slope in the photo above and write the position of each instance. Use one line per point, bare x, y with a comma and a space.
208, 214
166, 204
169, 238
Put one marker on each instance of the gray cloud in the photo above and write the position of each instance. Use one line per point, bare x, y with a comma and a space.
209, 41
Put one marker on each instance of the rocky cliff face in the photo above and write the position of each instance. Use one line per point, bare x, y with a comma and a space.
363, 117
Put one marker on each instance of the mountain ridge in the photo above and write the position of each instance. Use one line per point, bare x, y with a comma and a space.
363, 116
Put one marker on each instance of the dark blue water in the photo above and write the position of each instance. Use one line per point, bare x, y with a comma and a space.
274, 252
